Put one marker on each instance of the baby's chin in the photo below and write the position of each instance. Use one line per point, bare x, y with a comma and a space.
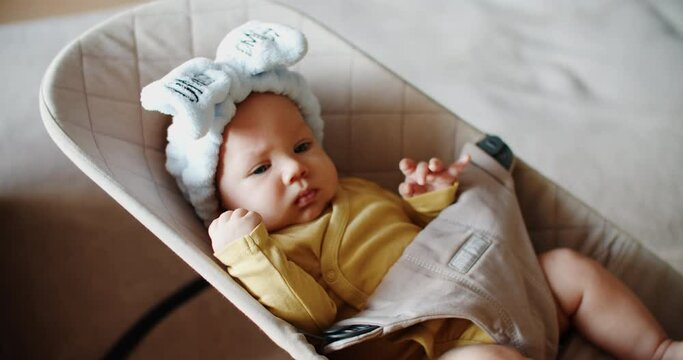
310, 215
303, 217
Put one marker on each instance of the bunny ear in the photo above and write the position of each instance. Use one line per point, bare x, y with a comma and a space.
256, 47
189, 93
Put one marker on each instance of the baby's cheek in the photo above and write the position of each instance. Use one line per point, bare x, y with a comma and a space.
274, 222
269, 205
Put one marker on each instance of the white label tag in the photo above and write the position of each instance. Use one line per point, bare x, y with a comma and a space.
468, 254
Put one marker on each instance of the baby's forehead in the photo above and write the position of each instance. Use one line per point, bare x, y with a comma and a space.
269, 129
255, 138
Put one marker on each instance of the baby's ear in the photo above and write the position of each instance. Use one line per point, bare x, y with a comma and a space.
256, 47
190, 93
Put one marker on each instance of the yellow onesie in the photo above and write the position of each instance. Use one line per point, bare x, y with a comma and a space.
321, 272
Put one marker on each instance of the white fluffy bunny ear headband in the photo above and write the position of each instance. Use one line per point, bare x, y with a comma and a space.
202, 94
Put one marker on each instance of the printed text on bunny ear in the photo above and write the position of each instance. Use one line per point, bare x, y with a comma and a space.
189, 87
251, 38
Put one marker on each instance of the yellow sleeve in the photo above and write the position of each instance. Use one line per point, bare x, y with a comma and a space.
428, 205
280, 285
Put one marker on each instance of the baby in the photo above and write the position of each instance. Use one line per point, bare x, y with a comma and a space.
278, 179
312, 248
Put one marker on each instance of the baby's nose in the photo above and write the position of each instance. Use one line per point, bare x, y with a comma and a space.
295, 171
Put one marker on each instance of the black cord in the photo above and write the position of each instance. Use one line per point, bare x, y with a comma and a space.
132, 337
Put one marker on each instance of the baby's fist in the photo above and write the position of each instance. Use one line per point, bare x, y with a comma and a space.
232, 225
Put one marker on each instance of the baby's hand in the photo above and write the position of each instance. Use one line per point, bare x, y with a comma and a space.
232, 225
425, 177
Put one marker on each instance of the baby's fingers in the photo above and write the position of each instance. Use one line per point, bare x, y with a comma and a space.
212, 226
457, 167
407, 166
253, 218
410, 189
238, 213
421, 172
222, 218
435, 165
405, 190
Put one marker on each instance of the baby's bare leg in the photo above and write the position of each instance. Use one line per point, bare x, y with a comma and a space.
603, 309
482, 352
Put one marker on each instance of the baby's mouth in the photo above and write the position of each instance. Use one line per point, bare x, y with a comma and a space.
306, 197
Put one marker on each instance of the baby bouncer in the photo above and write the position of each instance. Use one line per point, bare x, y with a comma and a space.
90, 107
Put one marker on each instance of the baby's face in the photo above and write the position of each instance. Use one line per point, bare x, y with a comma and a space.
270, 163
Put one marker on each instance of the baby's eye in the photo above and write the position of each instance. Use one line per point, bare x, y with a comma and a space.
302, 147
260, 169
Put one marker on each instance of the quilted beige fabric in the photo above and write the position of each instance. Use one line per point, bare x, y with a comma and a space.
90, 106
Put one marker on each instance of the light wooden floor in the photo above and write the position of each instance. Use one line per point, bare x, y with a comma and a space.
19, 10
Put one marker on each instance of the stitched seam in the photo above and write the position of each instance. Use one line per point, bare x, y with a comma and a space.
142, 125
495, 178
144, 146
489, 235
493, 238
107, 57
163, 60
562, 227
109, 98
468, 284
66, 88
87, 107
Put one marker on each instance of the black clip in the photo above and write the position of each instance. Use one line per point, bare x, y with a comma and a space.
337, 333
498, 150
345, 332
